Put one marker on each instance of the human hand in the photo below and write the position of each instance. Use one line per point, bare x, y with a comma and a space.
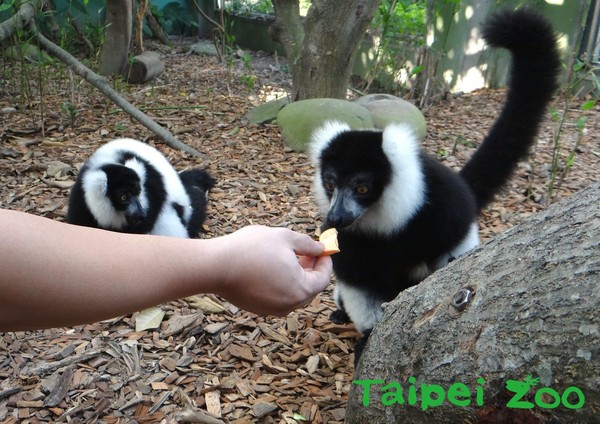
271, 271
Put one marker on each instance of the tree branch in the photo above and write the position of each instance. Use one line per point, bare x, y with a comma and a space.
104, 87
19, 20
23, 18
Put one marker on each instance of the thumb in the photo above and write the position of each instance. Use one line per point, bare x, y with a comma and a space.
304, 245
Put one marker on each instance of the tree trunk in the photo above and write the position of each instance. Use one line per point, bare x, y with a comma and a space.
534, 314
321, 49
117, 37
157, 30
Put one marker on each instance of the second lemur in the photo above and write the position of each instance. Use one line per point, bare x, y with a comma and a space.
130, 187
400, 213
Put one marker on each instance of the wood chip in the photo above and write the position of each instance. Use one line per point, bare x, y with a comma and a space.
242, 352
274, 335
260, 409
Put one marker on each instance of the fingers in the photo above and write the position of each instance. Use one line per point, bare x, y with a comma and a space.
304, 245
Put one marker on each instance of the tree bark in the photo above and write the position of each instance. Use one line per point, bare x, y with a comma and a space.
321, 49
117, 37
535, 312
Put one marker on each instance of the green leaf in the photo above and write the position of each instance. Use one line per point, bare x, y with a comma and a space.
416, 70
6, 6
580, 124
588, 105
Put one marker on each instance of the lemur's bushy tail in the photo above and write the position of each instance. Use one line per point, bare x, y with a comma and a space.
533, 80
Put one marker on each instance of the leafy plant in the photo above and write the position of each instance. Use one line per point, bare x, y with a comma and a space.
249, 6
399, 28
248, 79
76, 26
6, 5
560, 168
460, 139
70, 111
176, 19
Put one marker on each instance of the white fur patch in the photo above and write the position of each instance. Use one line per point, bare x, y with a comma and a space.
467, 243
320, 139
405, 194
322, 136
363, 309
169, 224
94, 188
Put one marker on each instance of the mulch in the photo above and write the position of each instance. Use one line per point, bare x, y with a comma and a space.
209, 361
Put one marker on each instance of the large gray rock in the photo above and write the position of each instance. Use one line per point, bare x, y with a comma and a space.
387, 109
298, 120
266, 112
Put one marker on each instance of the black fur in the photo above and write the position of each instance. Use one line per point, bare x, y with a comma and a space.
533, 81
380, 264
197, 183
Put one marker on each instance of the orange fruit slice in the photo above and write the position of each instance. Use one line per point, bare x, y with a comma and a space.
329, 239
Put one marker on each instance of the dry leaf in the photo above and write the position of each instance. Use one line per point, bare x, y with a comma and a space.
149, 319
312, 364
205, 304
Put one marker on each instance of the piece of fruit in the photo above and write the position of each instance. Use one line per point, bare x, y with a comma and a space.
329, 239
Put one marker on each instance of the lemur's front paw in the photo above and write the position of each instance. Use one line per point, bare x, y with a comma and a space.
339, 316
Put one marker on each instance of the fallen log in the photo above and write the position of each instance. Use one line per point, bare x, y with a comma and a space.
144, 67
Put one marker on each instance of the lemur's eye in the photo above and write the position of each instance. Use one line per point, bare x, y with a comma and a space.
362, 189
329, 186
124, 198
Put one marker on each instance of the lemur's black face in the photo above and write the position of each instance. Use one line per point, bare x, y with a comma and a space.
354, 173
123, 190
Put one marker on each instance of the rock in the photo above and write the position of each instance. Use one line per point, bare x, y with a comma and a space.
203, 48
28, 52
267, 112
386, 109
298, 120
57, 169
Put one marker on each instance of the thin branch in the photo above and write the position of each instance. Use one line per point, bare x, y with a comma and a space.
208, 18
104, 87
24, 18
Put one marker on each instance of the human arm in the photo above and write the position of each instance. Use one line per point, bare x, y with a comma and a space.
55, 274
